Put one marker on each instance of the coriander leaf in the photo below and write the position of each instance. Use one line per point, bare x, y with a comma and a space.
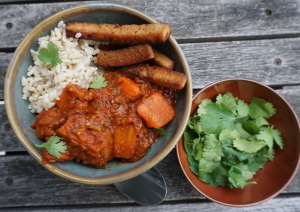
217, 118
251, 127
193, 165
228, 100
242, 131
188, 137
229, 152
229, 135
239, 175
201, 107
260, 121
196, 141
248, 146
198, 128
212, 150
207, 178
98, 82
269, 135
267, 153
233, 156
206, 166
256, 162
242, 108
192, 121
278, 138
266, 135
54, 146
220, 175
187, 141
198, 151
161, 131
49, 55
260, 108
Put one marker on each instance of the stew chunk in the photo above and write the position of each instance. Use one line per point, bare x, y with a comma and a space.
155, 110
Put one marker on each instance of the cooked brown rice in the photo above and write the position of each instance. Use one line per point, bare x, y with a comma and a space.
45, 83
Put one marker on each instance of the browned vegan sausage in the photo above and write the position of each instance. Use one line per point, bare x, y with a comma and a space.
126, 56
158, 75
121, 34
162, 60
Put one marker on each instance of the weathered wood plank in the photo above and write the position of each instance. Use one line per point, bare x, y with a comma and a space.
8, 140
23, 177
272, 62
279, 204
190, 20
4, 60
22, 172
293, 98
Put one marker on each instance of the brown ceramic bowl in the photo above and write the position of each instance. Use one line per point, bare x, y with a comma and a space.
276, 174
21, 118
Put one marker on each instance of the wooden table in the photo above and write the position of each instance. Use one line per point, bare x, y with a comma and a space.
253, 39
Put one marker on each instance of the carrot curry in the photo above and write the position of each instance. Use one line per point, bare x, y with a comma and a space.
99, 125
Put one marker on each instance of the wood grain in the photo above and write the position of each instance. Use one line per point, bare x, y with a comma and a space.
272, 62
283, 204
22, 175
4, 60
199, 20
8, 140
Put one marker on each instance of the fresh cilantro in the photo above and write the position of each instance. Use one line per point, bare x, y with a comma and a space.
228, 141
260, 108
201, 106
98, 82
49, 55
277, 137
161, 131
244, 145
54, 146
212, 150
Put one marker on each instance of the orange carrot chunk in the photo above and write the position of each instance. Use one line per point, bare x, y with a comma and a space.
129, 88
155, 110
125, 140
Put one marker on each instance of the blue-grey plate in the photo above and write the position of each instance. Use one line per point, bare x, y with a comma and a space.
21, 118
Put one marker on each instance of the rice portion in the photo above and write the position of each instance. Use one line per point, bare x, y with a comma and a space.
45, 83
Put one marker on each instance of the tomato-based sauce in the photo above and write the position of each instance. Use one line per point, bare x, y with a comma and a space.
99, 125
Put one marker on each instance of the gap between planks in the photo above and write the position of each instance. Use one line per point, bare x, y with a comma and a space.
237, 38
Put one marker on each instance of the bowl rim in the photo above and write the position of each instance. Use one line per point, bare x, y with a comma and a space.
180, 145
11, 114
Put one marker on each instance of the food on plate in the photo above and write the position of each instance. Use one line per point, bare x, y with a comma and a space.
110, 46
162, 60
91, 114
158, 75
155, 110
126, 56
49, 55
129, 88
98, 125
228, 141
44, 83
121, 34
